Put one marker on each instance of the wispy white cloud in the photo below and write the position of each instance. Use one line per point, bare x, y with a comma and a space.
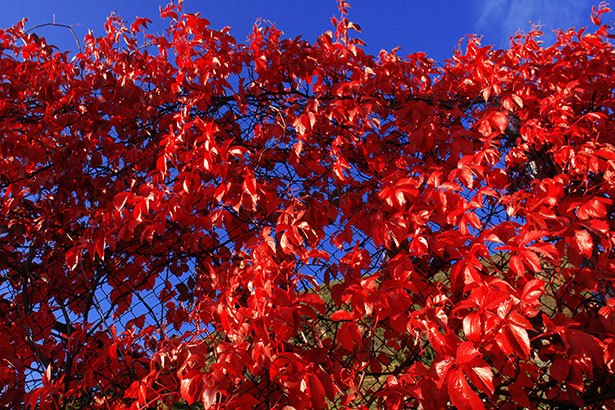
503, 18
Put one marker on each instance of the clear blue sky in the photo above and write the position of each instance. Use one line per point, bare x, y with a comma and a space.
415, 25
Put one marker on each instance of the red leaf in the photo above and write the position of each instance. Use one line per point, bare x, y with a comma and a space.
99, 247
73, 257
208, 398
349, 335
597, 12
142, 399
499, 120
190, 388
139, 24
466, 352
460, 392
482, 378
472, 326
517, 339
583, 242
594, 208
317, 392
133, 390
120, 200
341, 315
519, 395
314, 301
516, 266
47, 375
532, 260
559, 368
442, 367
249, 185
532, 291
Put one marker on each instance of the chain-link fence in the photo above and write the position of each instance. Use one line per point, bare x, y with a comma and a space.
232, 232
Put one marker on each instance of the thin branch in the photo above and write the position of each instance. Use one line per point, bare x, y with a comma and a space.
54, 24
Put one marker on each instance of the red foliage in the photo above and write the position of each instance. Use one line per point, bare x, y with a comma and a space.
319, 226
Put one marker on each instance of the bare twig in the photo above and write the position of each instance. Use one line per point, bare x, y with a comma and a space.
54, 24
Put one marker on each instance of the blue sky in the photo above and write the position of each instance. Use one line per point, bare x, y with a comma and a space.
415, 25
